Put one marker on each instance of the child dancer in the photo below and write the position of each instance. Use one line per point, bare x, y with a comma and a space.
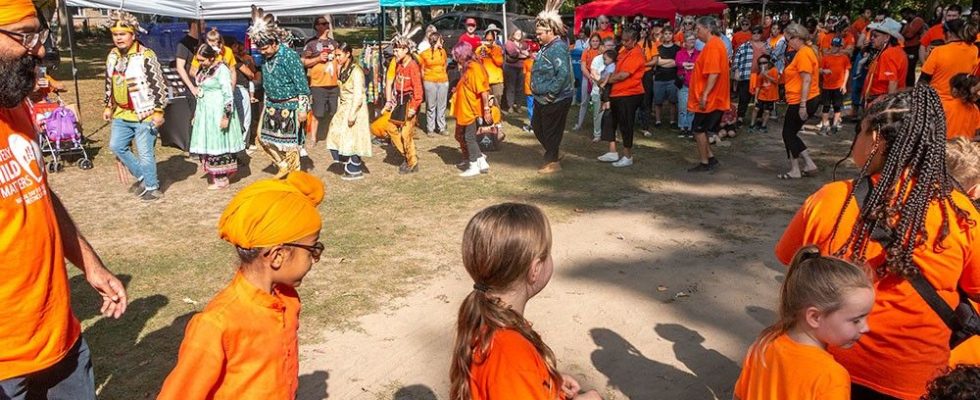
497, 354
244, 345
833, 68
766, 94
824, 302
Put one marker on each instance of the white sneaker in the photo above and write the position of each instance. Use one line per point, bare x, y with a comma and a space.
623, 162
303, 153
473, 170
609, 157
483, 164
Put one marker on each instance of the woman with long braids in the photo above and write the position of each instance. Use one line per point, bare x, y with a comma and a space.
934, 231
350, 136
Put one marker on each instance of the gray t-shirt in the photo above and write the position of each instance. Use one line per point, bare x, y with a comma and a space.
315, 46
185, 51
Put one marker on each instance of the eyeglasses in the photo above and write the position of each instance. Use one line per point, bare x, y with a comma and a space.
30, 41
315, 250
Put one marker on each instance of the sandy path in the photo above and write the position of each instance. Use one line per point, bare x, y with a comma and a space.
603, 313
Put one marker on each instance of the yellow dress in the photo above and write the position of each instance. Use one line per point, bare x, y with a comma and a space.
351, 140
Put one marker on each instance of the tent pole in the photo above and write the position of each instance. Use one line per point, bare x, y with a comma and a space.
505, 21
763, 9
71, 49
381, 33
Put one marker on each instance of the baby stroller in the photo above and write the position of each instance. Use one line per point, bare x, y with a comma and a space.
60, 135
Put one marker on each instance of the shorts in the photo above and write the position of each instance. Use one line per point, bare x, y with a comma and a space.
763, 105
664, 91
832, 97
324, 100
707, 122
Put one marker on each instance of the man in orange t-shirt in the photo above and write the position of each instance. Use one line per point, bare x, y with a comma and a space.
953, 12
886, 74
709, 90
743, 35
604, 29
323, 73
41, 348
625, 99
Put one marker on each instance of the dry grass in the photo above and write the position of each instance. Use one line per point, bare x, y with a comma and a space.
385, 235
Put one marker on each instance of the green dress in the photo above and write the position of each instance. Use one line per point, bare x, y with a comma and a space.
217, 147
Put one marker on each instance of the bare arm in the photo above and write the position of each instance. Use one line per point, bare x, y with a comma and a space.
710, 85
892, 86
182, 71
805, 92
79, 252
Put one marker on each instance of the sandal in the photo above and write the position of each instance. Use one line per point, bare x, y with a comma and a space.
788, 176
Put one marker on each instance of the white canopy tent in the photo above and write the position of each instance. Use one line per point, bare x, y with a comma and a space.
233, 9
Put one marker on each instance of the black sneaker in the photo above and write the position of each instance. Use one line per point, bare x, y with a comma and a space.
404, 169
657, 124
151, 195
352, 177
700, 168
673, 124
713, 162
136, 188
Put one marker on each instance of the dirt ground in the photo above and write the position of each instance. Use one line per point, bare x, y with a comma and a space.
654, 296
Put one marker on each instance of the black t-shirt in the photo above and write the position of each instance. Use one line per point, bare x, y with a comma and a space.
185, 51
666, 74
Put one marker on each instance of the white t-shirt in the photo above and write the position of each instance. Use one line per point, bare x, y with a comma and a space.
599, 64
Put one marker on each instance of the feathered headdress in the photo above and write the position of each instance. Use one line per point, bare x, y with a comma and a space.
265, 30
403, 38
121, 21
550, 19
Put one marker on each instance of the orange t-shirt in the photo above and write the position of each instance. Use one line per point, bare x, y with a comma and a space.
607, 34
679, 37
838, 64
891, 65
242, 346
588, 55
805, 60
648, 52
934, 33
713, 60
632, 62
468, 104
38, 327
740, 37
908, 343
826, 39
962, 119
512, 369
790, 370
528, 63
768, 90
945, 61
433, 63
324, 74
860, 24
493, 62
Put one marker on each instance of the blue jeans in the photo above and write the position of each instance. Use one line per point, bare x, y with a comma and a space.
143, 168
684, 118
69, 379
530, 108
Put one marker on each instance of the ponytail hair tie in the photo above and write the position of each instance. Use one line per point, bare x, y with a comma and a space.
481, 287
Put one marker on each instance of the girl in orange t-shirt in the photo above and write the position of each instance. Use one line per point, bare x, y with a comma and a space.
824, 301
497, 354
471, 106
900, 151
766, 93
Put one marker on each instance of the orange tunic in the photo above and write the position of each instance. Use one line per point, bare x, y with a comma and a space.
790, 370
908, 344
890, 66
513, 370
713, 60
433, 63
804, 61
242, 346
467, 102
37, 327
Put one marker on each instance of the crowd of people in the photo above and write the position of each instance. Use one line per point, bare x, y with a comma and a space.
875, 264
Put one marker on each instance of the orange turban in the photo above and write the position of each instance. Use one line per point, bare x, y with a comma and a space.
12, 11
273, 211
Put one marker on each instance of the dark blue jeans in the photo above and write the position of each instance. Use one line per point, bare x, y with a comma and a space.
70, 379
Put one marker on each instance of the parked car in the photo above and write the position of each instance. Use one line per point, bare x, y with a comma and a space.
451, 25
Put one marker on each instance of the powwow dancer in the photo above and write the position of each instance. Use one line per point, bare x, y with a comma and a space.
287, 95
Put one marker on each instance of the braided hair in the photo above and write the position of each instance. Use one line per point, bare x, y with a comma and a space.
914, 175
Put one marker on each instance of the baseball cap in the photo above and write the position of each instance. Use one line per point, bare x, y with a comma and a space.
837, 42
471, 21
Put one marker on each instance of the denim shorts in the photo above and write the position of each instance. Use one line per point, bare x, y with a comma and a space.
664, 91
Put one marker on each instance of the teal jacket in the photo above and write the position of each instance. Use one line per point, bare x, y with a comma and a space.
551, 75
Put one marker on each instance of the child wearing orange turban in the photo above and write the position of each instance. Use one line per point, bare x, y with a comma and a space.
244, 344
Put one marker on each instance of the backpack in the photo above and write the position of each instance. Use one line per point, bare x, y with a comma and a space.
60, 125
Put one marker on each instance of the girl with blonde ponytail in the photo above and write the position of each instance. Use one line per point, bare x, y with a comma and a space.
497, 354
824, 301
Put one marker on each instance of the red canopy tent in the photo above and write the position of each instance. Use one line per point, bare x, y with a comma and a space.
665, 9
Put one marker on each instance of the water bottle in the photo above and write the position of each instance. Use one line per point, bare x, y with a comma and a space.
42, 77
